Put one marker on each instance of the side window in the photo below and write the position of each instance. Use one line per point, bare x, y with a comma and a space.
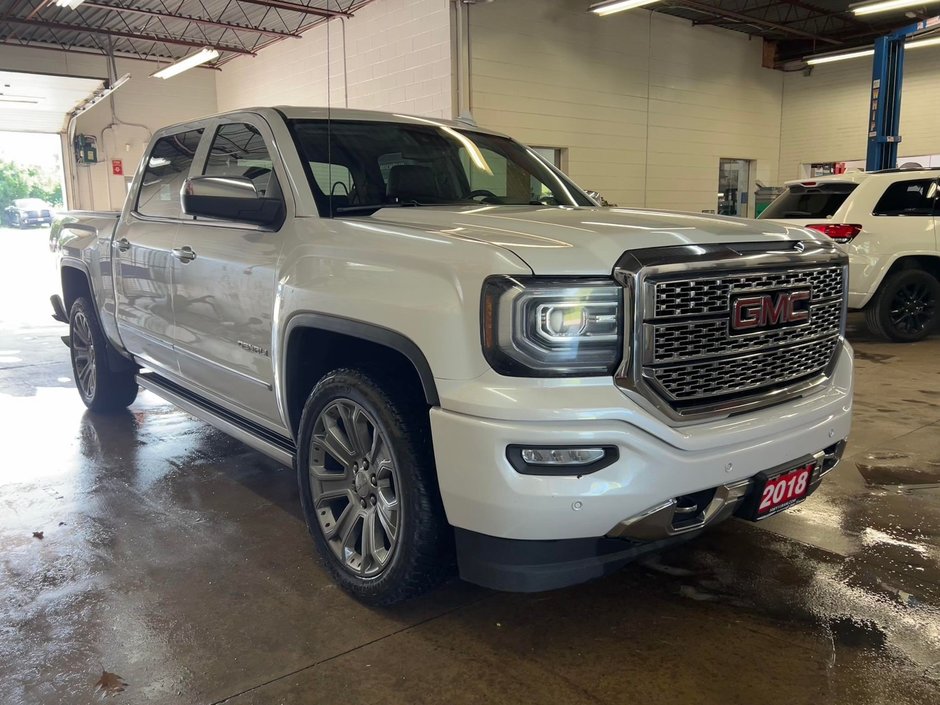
238, 149
167, 168
908, 198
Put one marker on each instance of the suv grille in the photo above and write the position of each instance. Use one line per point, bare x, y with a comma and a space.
690, 356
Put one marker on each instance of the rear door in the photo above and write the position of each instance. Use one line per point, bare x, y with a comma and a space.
141, 251
226, 284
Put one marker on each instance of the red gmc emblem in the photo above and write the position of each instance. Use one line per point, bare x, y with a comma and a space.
770, 310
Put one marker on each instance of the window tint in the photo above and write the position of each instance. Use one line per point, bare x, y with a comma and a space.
167, 168
908, 198
799, 201
238, 149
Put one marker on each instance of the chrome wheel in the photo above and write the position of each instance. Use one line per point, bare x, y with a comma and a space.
354, 486
83, 355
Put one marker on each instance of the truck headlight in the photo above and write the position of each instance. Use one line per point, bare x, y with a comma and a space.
552, 327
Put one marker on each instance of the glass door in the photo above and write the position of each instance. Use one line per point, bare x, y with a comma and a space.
734, 178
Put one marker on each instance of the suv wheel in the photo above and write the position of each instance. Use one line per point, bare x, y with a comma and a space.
368, 488
101, 388
905, 308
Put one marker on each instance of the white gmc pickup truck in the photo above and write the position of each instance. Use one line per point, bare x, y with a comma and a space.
458, 351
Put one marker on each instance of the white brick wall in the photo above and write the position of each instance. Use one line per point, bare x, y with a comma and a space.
645, 103
149, 101
398, 58
825, 115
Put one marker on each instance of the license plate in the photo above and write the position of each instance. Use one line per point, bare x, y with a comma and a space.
781, 491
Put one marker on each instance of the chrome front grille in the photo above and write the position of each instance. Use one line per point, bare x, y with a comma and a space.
691, 356
689, 360
685, 297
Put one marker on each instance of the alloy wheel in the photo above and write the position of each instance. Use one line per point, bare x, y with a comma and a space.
354, 486
912, 308
83, 354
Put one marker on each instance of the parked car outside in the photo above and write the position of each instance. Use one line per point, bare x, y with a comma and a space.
29, 212
887, 223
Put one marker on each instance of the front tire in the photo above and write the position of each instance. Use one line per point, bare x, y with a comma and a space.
101, 388
368, 488
905, 308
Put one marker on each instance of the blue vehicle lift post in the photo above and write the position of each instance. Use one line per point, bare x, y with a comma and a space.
884, 120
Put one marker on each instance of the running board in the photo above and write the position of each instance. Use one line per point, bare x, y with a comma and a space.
248, 432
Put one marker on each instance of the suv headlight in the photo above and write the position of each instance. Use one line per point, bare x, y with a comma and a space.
552, 327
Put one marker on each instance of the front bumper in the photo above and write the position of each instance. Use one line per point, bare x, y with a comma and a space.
487, 499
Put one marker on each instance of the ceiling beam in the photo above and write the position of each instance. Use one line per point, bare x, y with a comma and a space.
747, 19
121, 9
128, 35
297, 7
90, 52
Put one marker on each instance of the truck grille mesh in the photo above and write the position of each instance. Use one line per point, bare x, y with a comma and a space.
691, 358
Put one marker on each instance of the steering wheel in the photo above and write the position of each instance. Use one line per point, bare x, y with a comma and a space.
484, 193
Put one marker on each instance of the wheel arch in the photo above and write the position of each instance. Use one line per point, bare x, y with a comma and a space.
315, 343
928, 262
75, 283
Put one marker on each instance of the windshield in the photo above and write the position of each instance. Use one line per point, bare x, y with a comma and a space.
357, 167
817, 201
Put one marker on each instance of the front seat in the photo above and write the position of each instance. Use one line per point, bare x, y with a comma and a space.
412, 182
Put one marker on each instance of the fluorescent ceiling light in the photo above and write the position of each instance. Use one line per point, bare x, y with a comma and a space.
608, 8
200, 57
888, 5
933, 41
70, 4
828, 59
839, 57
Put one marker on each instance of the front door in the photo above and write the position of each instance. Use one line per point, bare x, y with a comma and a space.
225, 284
141, 250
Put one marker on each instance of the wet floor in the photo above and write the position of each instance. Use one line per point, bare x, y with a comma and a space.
154, 548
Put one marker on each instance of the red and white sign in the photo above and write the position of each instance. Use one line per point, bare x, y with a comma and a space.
117, 167
784, 490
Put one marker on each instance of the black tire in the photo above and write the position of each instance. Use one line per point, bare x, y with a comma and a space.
419, 555
904, 310
102, 389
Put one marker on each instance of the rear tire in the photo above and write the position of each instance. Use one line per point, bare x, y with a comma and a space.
368, 488
904, 310
102, 389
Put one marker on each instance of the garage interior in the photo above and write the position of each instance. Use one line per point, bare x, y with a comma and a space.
147, 557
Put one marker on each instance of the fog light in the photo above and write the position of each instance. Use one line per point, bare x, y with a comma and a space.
560, 460
562, 456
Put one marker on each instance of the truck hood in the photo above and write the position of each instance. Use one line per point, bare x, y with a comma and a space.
588, 241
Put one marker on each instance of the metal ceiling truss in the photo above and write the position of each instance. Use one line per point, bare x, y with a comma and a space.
165, 30
796, 27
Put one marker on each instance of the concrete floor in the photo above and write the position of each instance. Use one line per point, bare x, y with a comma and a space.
178, 559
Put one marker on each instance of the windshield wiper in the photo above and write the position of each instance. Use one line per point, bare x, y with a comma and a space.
375, 206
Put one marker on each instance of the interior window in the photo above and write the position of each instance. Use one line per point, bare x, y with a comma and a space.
167, 168
238, 150
908, 198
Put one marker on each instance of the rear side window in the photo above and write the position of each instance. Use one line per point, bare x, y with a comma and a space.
167, 168
817, 201
238, 149
915, 197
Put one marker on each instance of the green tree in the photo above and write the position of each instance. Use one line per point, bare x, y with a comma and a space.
27, 182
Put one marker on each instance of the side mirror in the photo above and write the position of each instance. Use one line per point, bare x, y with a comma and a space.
233, 198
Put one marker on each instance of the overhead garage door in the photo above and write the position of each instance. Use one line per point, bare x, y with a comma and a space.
33, 102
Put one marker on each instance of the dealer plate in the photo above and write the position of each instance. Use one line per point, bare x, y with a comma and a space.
774, 493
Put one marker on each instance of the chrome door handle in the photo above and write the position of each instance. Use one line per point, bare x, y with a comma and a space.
184, 254
124, 244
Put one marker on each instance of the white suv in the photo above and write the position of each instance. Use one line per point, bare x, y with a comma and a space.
887, 223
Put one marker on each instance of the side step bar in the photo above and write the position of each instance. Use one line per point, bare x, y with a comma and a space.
251, 434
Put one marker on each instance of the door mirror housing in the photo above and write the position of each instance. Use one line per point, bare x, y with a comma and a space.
232, 198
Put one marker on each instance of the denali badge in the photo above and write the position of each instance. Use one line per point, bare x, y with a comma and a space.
771, 310
251, 347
